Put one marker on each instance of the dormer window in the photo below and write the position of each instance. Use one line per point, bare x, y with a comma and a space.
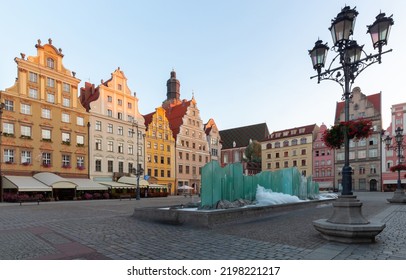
50, 63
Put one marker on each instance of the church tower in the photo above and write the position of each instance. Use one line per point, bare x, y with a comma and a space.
173, 89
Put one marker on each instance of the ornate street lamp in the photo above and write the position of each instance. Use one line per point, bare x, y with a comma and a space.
399, 194
347, 209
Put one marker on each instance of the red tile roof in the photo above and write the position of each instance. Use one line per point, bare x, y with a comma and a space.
375, 99
302, 130
175, 114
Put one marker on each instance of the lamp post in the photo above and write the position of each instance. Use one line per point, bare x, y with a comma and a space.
347, 209
2, 106
138, 169
399, 194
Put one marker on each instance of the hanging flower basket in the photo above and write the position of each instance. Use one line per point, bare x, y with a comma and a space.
357, 129
398, 167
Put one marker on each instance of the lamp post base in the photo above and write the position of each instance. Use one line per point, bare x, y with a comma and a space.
347, 225
398, 196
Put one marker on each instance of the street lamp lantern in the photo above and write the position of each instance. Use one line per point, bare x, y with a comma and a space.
343, 25
318, 54
399, 135
388, 141
353, 52
380, 30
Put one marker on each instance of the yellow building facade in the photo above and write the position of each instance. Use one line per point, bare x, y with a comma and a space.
290, 148
160, 150
45, 128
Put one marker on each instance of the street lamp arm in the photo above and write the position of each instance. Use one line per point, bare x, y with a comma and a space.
356, 68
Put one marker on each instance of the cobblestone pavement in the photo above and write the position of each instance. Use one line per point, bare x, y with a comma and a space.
105, 229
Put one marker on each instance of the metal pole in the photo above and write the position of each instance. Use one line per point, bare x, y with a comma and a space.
347, 170
138, 168
399, 186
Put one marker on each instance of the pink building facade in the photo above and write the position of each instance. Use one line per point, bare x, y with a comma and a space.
390, 156
323, 162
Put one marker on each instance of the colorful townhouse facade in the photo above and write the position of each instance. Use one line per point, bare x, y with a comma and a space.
290, 148
160, 150
323, 162
44, 126
390, 156
365, 154
235, 141
117, 128
213, 140
192, 151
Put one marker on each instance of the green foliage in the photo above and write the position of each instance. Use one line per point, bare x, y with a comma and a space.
253, 152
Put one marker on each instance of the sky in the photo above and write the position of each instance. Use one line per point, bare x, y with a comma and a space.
245, 61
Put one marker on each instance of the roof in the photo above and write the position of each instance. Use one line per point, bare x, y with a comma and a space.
241, 136
148, 119
292, 132
132, 180
175, 116
374, 99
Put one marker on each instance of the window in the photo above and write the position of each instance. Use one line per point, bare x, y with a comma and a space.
80, 121
98, 144
25, 157
277, 165
361, 170
25, 131
277, 155
80, 140
109, 113
120, 130
303, 162
109, 128
46, 159
286, 154
373, 152
286, 143
110, 165
372, 169
120, 166
33, 77
66, 87
9, 105
46, 113
66, 138
98, 165
294, 142
8, 156
50, 98
180, 169
50, 63
46, 134
8, 129
303, 151
120, 148
65, 102
130, 149
285, 164
303, 141
109, 99
120, 115
129, 105
277, 145
110, 146
50, 82
187, 169
80, 162
25, 109
65, 118
33, 93
119, 102
362, 154
66, 161
98, 126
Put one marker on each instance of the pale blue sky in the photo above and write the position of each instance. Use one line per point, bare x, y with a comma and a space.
246, 61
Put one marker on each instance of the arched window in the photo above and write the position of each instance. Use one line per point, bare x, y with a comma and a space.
286, 143
50, 63
303, 141
269, 146
294, 142
277, 144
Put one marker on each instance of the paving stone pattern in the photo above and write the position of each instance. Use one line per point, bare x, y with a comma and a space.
105, 229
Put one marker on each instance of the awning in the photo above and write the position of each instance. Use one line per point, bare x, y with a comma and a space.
88, 185
394, 181
117, 185
54, 181
133, 181
157, 186
24, 184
